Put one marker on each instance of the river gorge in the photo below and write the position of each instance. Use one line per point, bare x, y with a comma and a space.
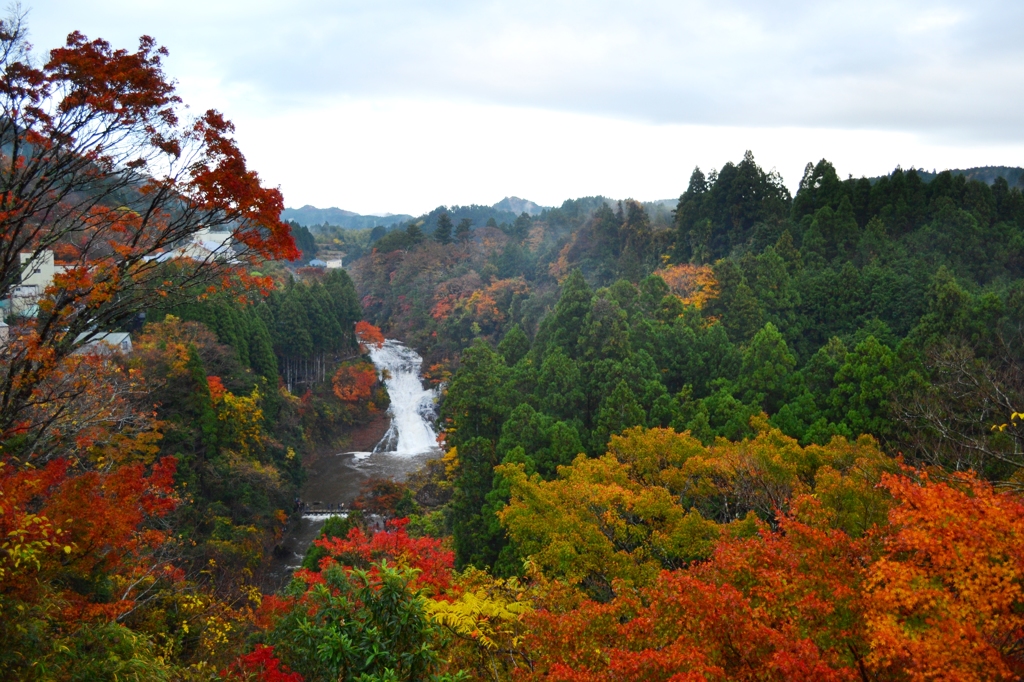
410, 440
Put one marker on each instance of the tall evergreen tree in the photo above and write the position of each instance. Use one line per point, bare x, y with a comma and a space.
514, 346
737, 305
618, 412
414, 234
464, 230
344, 304
261, 350
201, 404
819, 187
473, 407
766, 376
521, 226
296, 343
477, 540
689, 211
564, 326
443, 232
559, 386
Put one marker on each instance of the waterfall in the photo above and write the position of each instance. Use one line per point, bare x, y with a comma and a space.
412, 406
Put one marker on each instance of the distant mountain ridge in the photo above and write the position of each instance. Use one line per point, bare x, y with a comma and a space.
506, 209
1014, 175
509, 207
309, 216
988, 174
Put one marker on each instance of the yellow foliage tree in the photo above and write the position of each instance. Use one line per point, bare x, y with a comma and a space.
694, 284
659, 499
487, 622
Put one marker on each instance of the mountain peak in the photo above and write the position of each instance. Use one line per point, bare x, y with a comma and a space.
517, 206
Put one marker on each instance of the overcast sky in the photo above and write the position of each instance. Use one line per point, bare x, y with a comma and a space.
402, 105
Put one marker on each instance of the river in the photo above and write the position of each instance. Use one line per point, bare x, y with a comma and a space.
409, 442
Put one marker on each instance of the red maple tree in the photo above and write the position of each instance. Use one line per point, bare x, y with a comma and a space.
261, 665
427, 555
138, 205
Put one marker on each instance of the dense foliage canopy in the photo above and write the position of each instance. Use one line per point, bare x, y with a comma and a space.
763, 437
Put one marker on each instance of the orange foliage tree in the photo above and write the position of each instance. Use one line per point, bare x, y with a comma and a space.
368, 334
947, 598
779, 606
932, 591
99, 412
464, 305
449, 294
381, 496
261, 665
354, 383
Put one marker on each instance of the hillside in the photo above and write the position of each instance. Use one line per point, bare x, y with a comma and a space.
755, 417
847, 273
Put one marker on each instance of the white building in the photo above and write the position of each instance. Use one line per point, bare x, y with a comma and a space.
204, 245
334, 260
37, 273
104, 343
40, 270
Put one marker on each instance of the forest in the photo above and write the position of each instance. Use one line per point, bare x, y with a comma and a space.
759, 436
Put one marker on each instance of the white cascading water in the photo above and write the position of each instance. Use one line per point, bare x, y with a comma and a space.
412, 406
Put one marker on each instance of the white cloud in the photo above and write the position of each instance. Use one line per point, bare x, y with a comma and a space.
410, 155
556, 98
